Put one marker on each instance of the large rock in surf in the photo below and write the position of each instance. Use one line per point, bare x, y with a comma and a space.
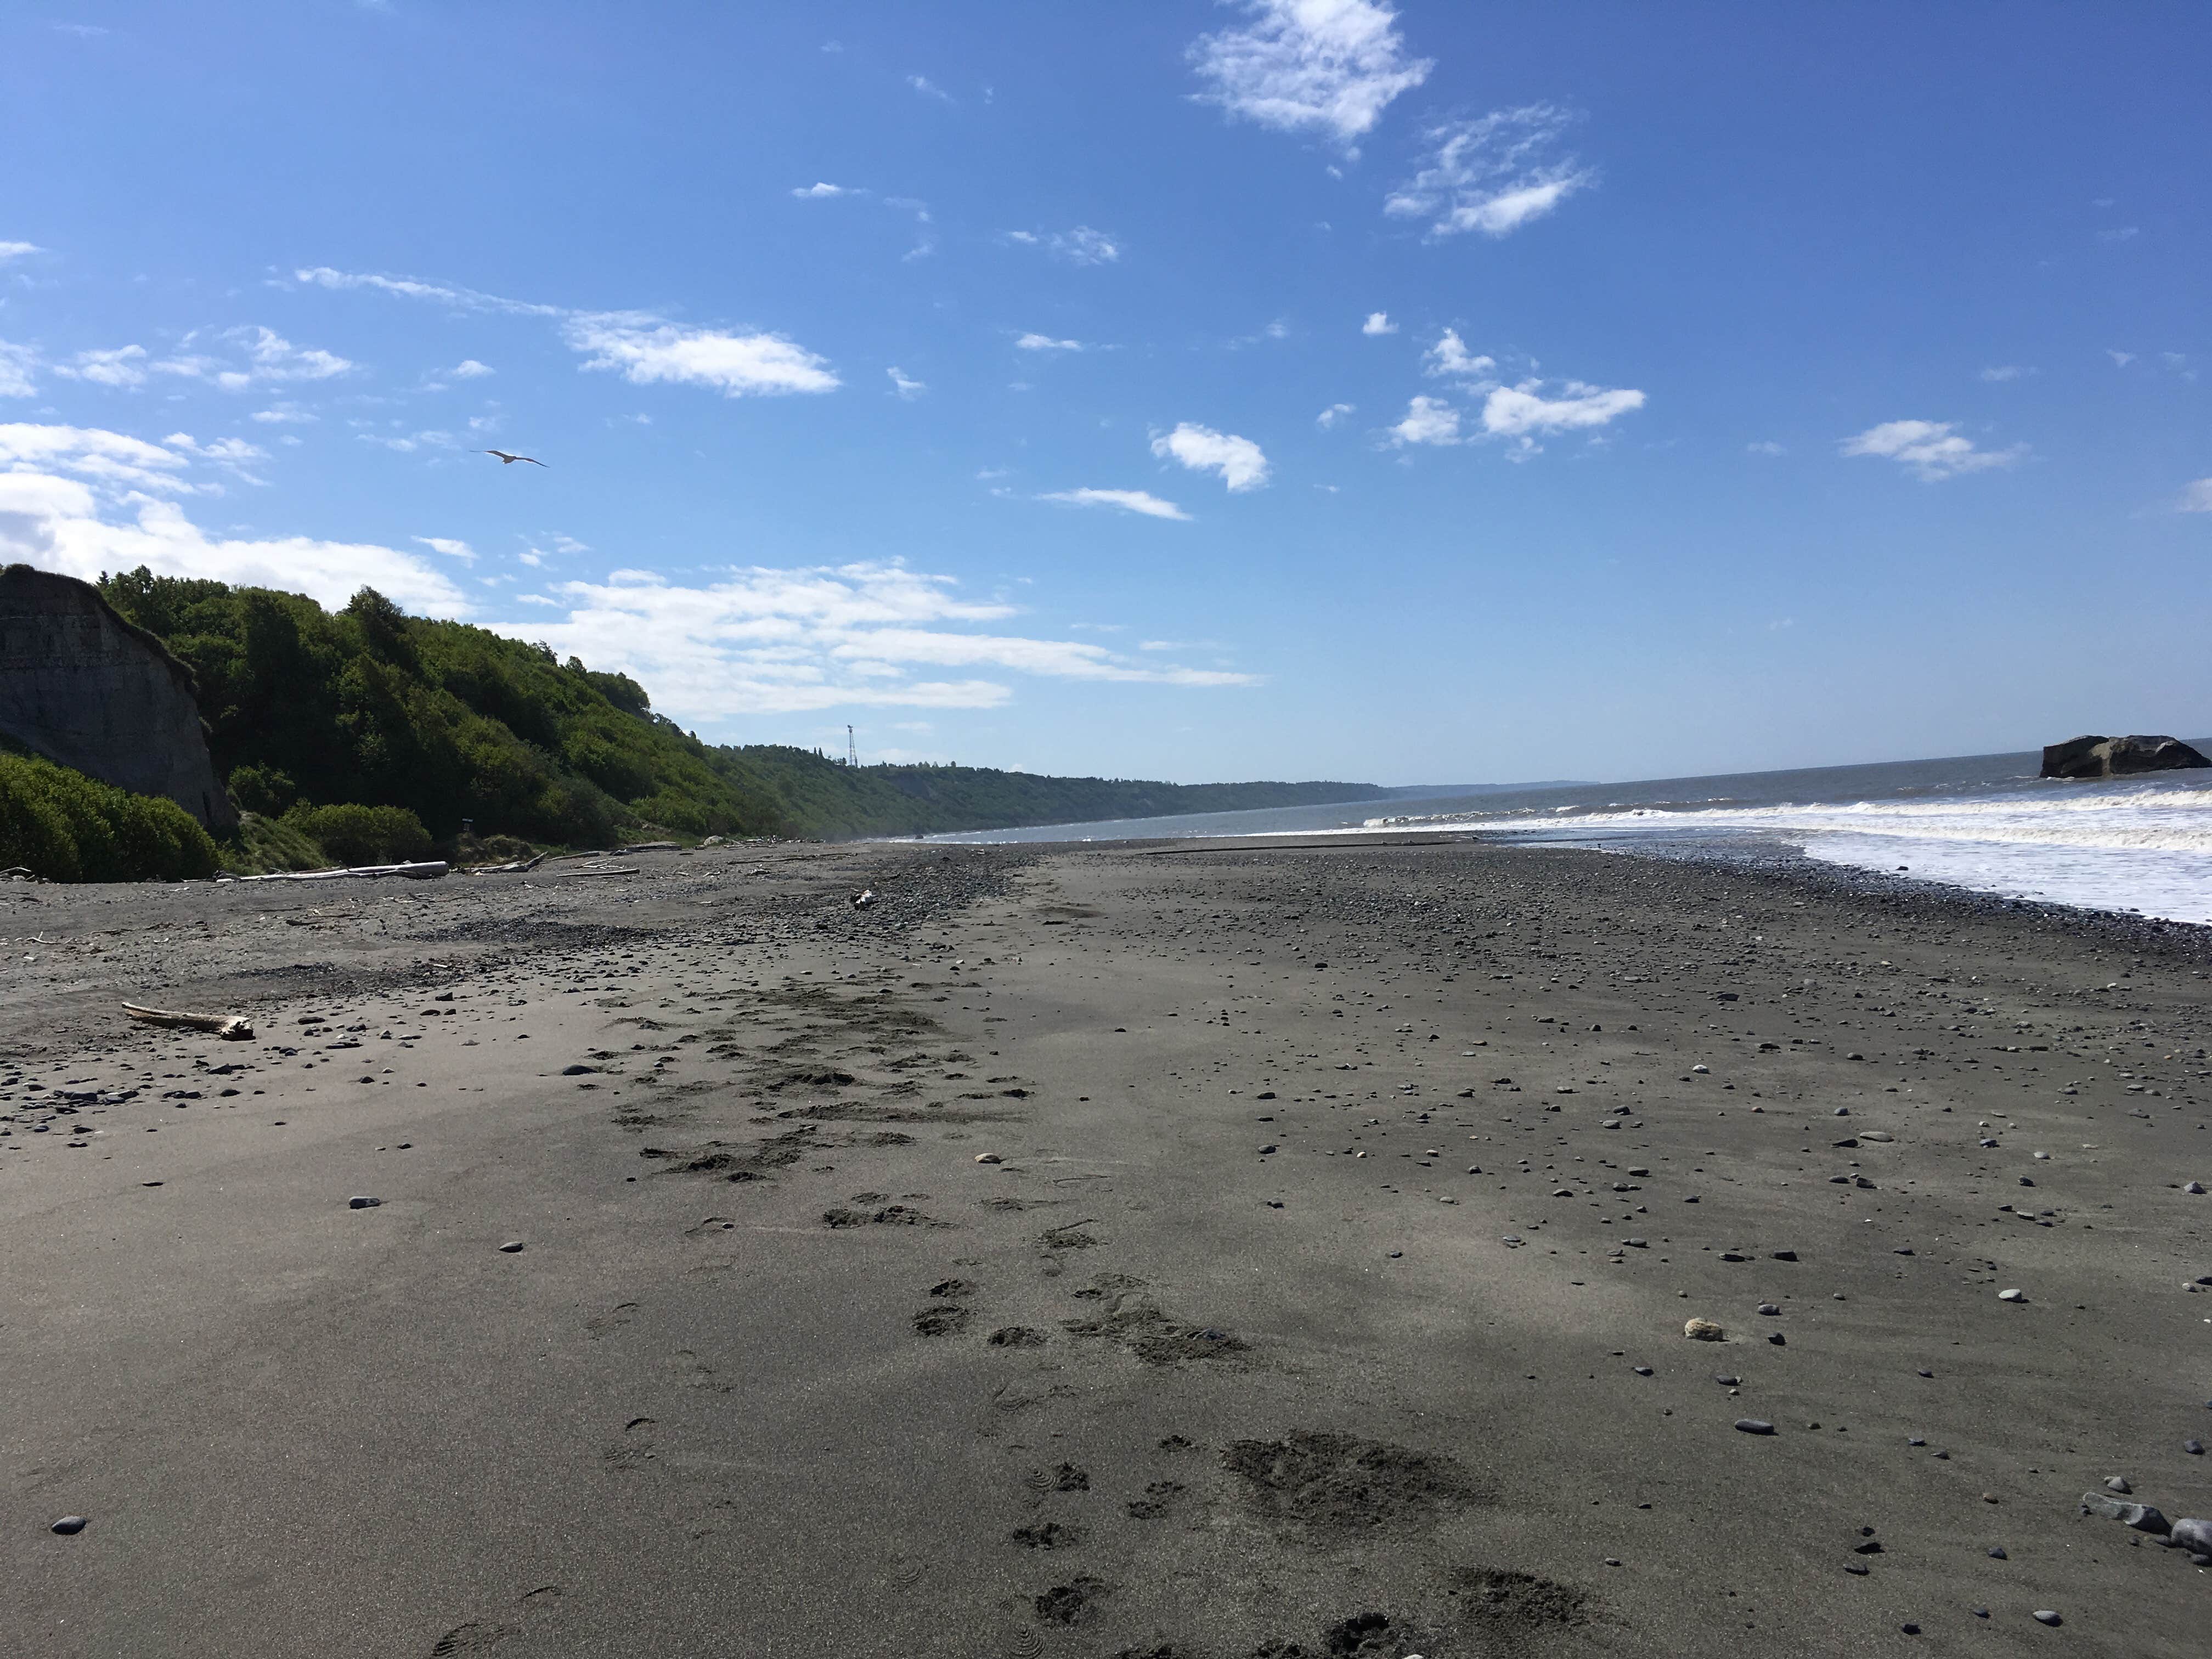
80, 687
2117, 757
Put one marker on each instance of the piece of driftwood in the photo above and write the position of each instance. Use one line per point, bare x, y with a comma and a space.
236, 1027
424, 871
510, 868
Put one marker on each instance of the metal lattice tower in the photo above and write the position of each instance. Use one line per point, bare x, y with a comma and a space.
851, 750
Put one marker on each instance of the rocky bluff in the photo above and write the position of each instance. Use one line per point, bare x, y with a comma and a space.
2117, 757
83, 688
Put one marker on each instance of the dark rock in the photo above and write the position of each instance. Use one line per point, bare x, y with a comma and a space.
511, 1246
2191, 1534
578, 1071
81, 687
1754, 1425
2046, 1616
69, 1525
2117, 757
361, 1202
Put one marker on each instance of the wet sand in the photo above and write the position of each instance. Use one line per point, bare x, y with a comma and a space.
1325, 1296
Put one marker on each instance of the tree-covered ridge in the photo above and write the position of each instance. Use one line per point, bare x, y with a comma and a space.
369, 706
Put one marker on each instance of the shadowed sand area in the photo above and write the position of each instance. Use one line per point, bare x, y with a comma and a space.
1325, 1296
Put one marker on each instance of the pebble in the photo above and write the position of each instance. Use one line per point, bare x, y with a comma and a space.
69, 1525
989, 1158
2046, 1616
512, 1246
578, 1071
360, 1202
1754, 1425
1998, 1552
1769, 1309
2117, 1483
1704, 1330
1643, 1370
2012, 1296
2194, 1448
2195, 1187
2193, 1535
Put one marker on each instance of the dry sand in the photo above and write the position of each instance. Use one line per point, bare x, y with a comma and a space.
1233, 1351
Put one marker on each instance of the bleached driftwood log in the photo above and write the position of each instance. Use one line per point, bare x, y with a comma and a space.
236, 1027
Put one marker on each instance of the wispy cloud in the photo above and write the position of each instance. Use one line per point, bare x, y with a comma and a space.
17, 251
1080, 246
1329, 417
283, 415
820, 193
928, 89
2121, 359
903, 386
1997, 374
450, 548
260, 356
1128, 501
1493, 174
1325, 66
2196, 497
1238, 460
1428, 420
643, 348
1378, 322
1046, 343
1765, 447
18, 370
1930, 450
122, 366
788, 640
1523, 412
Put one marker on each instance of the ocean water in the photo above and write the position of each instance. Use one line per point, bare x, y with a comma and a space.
1985, 823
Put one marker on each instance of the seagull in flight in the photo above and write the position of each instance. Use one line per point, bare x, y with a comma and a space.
505, 460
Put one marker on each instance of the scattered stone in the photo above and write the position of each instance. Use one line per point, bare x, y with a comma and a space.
512, 1246
2194, 1448
2117, 1483
1704, 1330
2191, 1534
2193, 1187
1998, 1552
2012, 1296
1769, 1309
2141, 1518
2046, 1616
1754, 1425
69, 1525
989, 1158
1784, 1255
578, 1071
358, 1201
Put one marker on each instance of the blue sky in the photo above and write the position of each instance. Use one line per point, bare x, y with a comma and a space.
1313, 388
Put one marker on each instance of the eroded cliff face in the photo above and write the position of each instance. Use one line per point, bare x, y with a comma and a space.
80, 687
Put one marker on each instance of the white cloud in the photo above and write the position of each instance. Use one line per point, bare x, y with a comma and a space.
17, 249
1765, 447
1129, 501
283, 415
2121, 233
269, 359
1080, 246
1238, 460
771, 640
1378, 322
451, 549
1521, 411
2196, 497
820, 193
470, 369
122, 367
1046, 343
2121, 359
1329, 417
905, 387
1930, 450
1999, 373
1491, 174
1428, 420
17, 366
232, 454
104, 520
1449, 358
641, 346
112, 459
927, 88
1331, 66
643, 349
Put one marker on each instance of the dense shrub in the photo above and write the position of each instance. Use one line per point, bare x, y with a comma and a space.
363, 834
66, 827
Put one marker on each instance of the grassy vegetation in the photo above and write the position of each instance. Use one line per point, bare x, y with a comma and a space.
310, 710
63, 826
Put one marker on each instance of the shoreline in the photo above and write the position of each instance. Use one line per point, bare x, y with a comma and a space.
1101, 1247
